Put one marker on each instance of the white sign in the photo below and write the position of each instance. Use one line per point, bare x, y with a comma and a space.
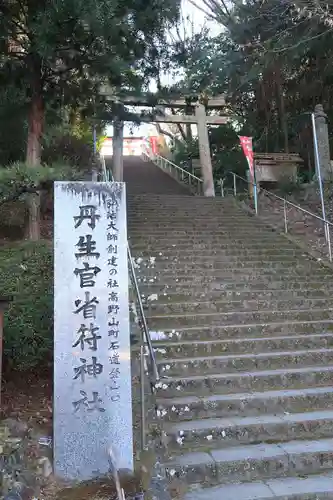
92, 370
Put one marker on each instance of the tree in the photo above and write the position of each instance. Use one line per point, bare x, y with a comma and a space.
59, 52
12, 124
273, 60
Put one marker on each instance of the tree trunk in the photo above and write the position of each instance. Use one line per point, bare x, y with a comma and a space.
33, 158
35, 130
282, 109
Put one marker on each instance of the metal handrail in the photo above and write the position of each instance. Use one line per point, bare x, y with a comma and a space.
169, 166
107, 176
143, 317
179, 168
327, 224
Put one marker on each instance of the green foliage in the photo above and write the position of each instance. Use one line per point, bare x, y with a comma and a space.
287, 187
69, 149
16, 182
26, 272
65, 51
20, 178
226, 151
12, 124
183, 152
14, 216
273, 62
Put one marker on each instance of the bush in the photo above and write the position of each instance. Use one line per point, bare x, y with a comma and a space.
13, 220
26, 274
69, 149
14, 181
287, 187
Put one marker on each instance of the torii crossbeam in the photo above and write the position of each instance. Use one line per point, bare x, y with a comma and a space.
200, 118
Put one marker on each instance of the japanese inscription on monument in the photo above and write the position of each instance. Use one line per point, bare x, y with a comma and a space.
92, 372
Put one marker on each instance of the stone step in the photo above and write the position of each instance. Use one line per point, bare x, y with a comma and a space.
233, 363
241, 322
197, 219
146, 201
210, 433
161, 307
174, 236
185, 408
174, 321
233, 228
240, 234
193, 210
258, 381
180, 197
167, 295
299, 265
151, 258
206, 246
209, 281
200, 348
216, 255
157, 242
313, 487
192, 213
187, 212
212, 218
254, 330
224, 238
251, 289
253, 462
197, 275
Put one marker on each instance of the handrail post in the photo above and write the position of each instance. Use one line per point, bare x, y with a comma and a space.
222, 187
235, 187
142, 395
285, 216
318, 168
328, 234
255, 193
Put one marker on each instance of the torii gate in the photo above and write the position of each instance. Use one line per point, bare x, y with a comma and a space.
199, 118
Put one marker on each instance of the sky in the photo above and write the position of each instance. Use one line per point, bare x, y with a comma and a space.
198, 19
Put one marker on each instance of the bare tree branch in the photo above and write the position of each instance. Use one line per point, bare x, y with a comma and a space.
208, 14
164, 132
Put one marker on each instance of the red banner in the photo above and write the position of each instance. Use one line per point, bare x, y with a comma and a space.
246, 143
153, 144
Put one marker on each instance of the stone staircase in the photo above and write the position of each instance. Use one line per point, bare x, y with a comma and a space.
242, 324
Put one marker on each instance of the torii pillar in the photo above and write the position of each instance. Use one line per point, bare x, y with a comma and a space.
117, 145
204, 151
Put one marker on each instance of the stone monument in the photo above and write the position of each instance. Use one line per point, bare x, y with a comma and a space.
323, 142
92, 370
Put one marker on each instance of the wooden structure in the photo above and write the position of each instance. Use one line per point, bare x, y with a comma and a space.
3, 304
196, 113
275, 167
